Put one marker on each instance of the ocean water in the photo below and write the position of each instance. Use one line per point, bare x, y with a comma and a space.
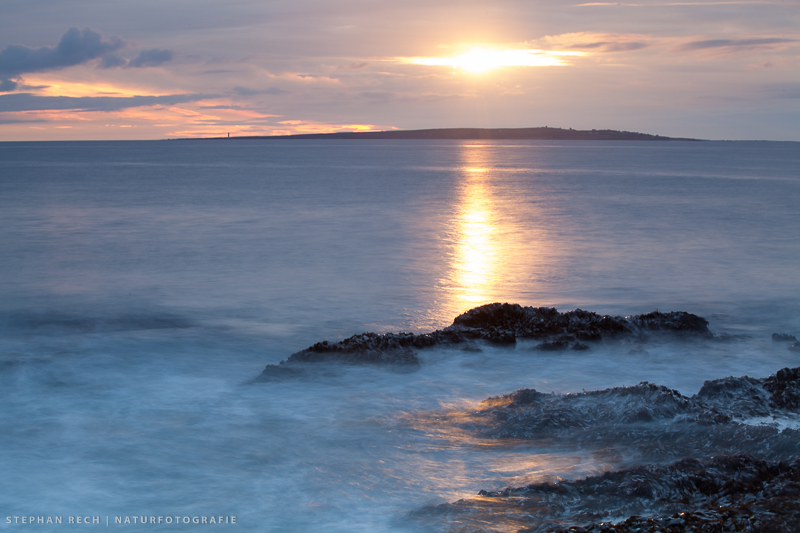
143, 285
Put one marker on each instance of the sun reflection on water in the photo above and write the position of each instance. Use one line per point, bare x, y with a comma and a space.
475, 259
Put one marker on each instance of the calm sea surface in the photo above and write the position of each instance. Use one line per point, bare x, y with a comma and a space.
143, 284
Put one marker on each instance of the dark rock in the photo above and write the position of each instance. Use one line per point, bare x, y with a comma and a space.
390, 348
785, 388
741, 397
553, 346
280, 372
733, 476
783, 337
543, 322
725, 493
650, 422
499, 324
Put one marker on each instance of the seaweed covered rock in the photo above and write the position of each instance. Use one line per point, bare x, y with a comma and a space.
726, 493
785, 388
726, 474
541, 322
645, 421
528, 414
497, 323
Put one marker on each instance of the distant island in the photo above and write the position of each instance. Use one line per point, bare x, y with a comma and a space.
544, 133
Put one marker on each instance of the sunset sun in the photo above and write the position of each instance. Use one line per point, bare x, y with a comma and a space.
478, 60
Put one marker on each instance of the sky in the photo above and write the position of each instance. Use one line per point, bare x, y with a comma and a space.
147, 69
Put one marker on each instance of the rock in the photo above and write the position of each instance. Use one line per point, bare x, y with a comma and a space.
649, 421
501, 324
553, 346
785, 388
389, 350
783, 337
676, 321
729, 476
725, 493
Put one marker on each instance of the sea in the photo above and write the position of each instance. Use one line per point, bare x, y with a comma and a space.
145, 285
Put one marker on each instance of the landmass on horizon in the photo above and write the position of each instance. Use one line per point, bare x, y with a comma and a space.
541, 133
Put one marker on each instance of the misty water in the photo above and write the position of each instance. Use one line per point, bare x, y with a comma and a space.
144, 285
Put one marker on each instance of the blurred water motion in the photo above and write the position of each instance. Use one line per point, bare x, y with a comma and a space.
142, 285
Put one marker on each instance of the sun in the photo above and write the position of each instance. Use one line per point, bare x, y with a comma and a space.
479, 60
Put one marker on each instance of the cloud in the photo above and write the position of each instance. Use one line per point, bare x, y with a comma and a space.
7, 85
244, 91
75, 47
734, 43
21, 121
151, 58
354, 66
113, 60
595, 42
28, 102
679, 4
610, 46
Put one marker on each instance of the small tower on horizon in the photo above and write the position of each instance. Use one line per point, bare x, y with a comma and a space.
229, 135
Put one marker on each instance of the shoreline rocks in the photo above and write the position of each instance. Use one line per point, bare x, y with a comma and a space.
648, 421
725, 493
700, 463
499, 324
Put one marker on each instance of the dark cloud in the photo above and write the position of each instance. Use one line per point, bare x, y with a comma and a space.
244, 91
151, 58
113, 60
29, 102
235, 107
7, 85
354, 66
76, 47
609, 46
734, 43
20, 121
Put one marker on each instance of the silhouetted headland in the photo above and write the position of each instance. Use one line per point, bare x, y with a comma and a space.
544, 133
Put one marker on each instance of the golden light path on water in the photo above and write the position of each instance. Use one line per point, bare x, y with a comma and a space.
475, 261
490, 252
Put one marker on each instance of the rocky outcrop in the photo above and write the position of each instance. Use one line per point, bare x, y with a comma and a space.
547, 322
497, 323
650, 422
726, 493
735, 473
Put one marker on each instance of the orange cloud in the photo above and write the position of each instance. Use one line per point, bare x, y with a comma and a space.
59, 85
